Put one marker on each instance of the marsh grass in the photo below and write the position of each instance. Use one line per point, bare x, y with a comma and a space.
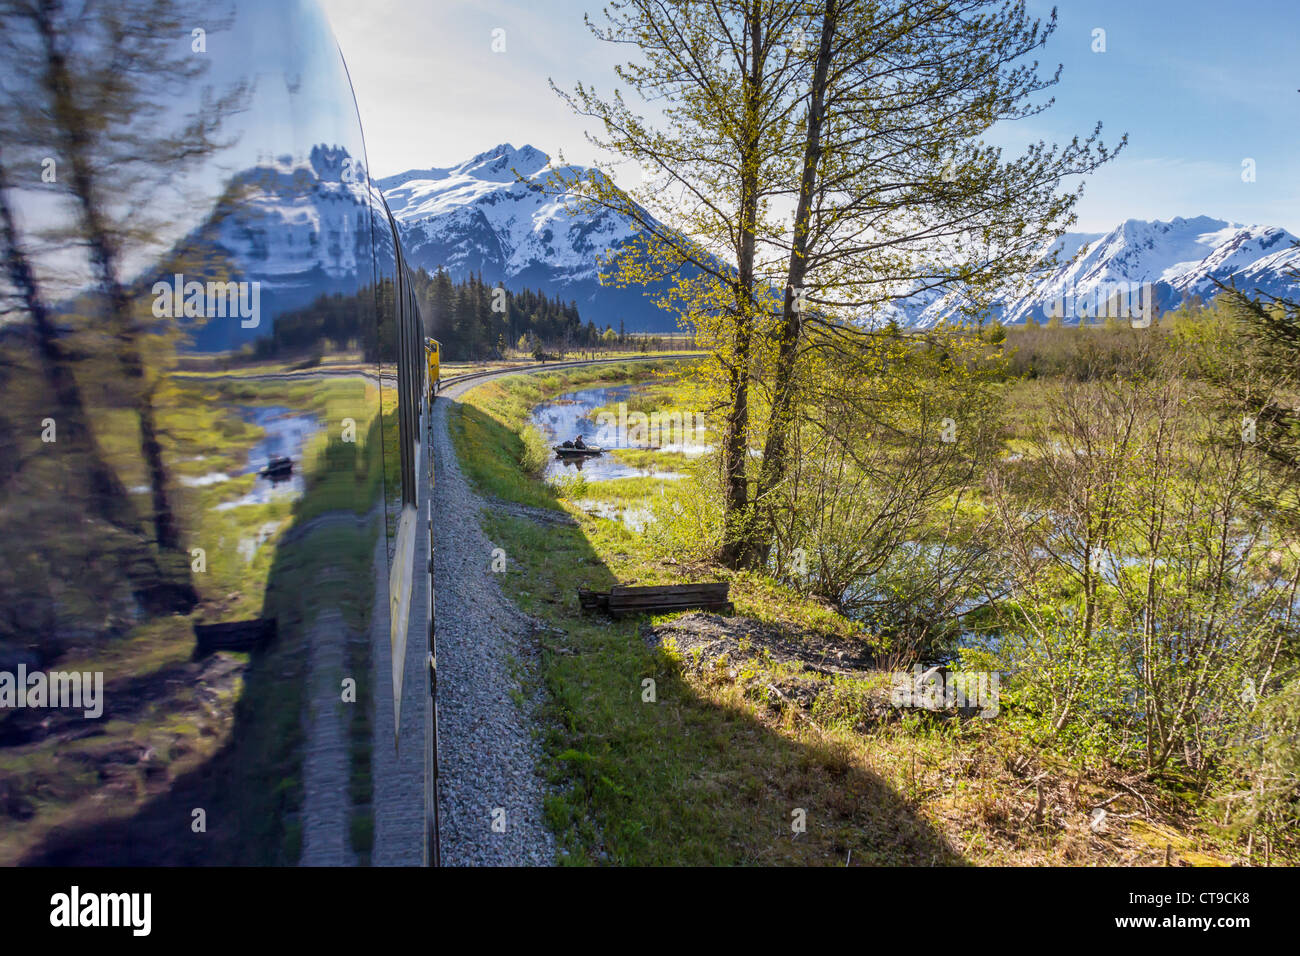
712, 771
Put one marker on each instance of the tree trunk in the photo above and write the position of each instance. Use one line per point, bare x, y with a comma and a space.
108, 497
737, 516
781, 418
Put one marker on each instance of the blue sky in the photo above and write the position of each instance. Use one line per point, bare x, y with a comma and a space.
1199, 86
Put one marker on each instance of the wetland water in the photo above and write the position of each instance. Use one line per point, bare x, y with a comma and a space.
576, 413
287, 432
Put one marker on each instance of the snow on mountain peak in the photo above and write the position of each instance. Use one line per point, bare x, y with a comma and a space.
500, 163
480, 216
1179, 257
496, 165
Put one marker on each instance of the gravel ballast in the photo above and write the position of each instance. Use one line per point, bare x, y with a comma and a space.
490, 791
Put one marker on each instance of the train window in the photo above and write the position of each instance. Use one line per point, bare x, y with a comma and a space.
408, 373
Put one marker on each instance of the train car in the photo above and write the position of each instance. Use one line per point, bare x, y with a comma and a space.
215, 591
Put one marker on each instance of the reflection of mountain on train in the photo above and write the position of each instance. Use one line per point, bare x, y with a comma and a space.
295, 227
300, 228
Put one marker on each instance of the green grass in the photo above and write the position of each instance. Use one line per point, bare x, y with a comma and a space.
674, 781
712, 770
651, 460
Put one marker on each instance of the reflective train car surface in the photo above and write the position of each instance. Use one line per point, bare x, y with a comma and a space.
215, 604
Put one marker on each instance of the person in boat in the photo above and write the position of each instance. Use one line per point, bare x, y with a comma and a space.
566, 444
579, 443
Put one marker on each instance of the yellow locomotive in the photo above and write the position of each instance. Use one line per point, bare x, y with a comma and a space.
432, 354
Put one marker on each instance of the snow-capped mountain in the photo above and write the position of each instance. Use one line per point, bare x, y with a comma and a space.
301, 228
478, 216
1180, 258
296, 218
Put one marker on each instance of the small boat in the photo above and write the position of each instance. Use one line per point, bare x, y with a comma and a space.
277, 469
568, 451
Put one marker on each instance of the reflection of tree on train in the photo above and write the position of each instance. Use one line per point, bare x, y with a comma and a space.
108, 497
92, 112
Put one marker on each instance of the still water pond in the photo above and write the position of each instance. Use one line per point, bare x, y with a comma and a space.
568, 416
575, 414
287, 432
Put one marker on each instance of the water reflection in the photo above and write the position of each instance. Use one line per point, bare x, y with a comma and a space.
575, 413
139, 429
633, 517
277, 458
286, 434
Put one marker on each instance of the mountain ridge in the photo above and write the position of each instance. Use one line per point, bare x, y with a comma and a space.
1179, 257
477, 216
301, 227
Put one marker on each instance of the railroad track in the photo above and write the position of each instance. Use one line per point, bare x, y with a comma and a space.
460, 786
445, 383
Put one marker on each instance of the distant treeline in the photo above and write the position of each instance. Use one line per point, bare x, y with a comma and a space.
1089, 350
471, 319
474, 320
